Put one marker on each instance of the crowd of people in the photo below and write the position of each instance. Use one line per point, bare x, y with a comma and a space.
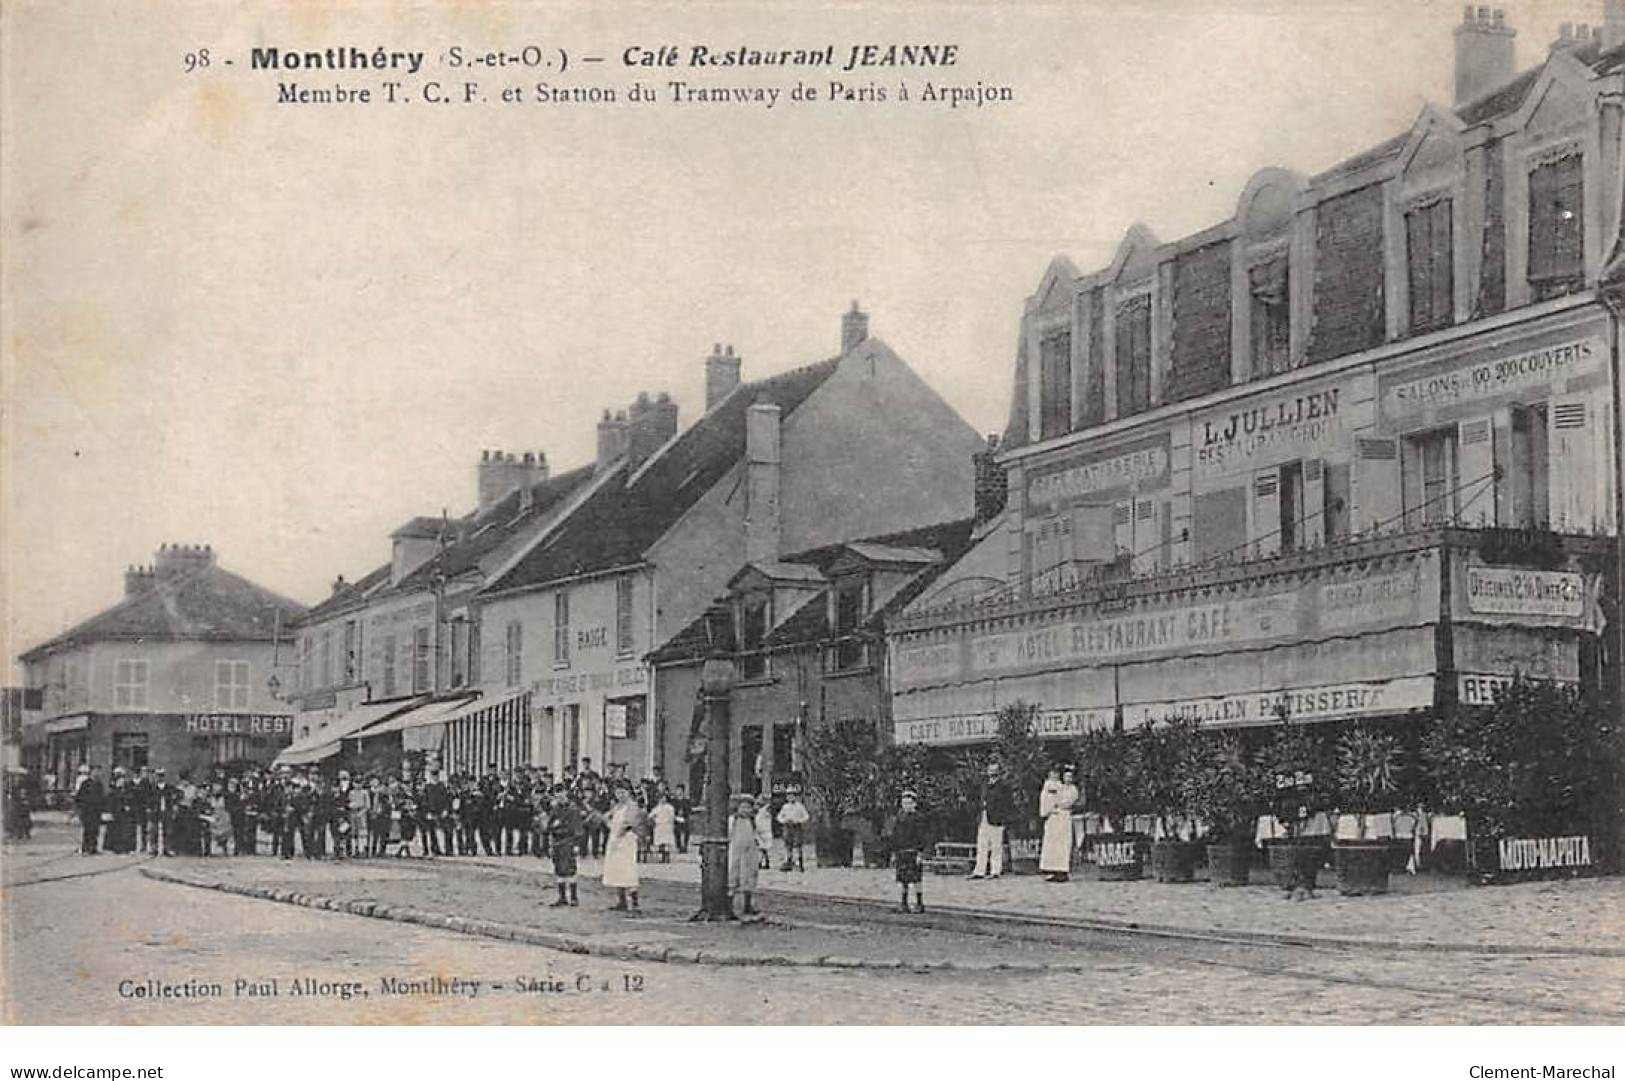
520, 812
286, 812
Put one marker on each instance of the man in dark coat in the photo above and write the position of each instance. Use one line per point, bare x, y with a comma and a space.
434, 803
146, 809
490, 814
564, 829
87, 802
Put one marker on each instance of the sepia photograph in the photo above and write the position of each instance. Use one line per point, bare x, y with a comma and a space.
819, 514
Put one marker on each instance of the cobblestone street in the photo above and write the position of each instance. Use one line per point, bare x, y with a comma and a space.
86, 935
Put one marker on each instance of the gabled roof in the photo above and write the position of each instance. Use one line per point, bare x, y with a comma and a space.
471, 541
780, 572
206, 603
943, 543
623, 519
889, 553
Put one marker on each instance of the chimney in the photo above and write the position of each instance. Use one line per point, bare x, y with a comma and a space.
1613, 24
137, 580
501, 474
649, 425
338, 585
721, 375
611, 439
991, 482
762, 483
1484, 52
1572, 36
178, 559
854, 329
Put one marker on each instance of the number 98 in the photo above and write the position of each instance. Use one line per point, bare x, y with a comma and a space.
196, 60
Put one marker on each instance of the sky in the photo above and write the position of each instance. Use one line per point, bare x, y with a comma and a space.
285, 330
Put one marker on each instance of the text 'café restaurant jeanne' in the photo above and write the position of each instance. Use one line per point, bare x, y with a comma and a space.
1349, 453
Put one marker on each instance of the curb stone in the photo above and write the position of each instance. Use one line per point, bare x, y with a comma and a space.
555, 941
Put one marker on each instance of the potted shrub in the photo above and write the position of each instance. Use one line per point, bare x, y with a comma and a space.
840, 767
1109, 764
1227, 794
1298, 789
1168, 755
1367, 773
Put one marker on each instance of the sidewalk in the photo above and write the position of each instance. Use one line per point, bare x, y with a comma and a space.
1584, 916
508, 906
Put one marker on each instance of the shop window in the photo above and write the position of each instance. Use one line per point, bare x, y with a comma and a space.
561, 629
623, 717
1133, 333
1269, 290
1055, 385
513, 654
623, 616
420, 660
1556, 228
229, 749
755, 613
1430, 268
231, 684
1430, 482
389, 666
130, 750
130, 684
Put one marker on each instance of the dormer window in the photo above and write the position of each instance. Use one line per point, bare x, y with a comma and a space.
1556, 227
755, 618
1269, 289
850, 599
1429, 257
1055, 384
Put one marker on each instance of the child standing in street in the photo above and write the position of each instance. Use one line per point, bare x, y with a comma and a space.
793, 823
565, 829
665, 824
908, 837
744, 854
764, 832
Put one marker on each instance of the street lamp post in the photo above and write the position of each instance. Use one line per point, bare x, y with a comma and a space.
716, 689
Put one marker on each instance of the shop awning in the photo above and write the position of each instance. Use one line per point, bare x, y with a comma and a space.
326, 742
420, 716
77, 723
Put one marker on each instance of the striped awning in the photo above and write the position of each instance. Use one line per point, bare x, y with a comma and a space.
437, 712
326, 741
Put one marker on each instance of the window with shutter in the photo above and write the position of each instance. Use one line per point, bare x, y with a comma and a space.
1055, 385
1133, 331
1429, 257
623, 616
1556, 227
561, 628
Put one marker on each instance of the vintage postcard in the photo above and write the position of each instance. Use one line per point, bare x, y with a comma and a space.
1089, 513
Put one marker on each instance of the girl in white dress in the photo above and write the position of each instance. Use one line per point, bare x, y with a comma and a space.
621, 853
665, 819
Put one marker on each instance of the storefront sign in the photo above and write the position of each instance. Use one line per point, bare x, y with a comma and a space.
983, 727
1252, 436
628, 677
1543, 853
1382, 598
239, 724
925, 662
1509, 591
1140, 466
1478, 689
1322, 703
1477, 382
1110, 639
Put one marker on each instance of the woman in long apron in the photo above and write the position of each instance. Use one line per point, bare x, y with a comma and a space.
1055, 805
621, 852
